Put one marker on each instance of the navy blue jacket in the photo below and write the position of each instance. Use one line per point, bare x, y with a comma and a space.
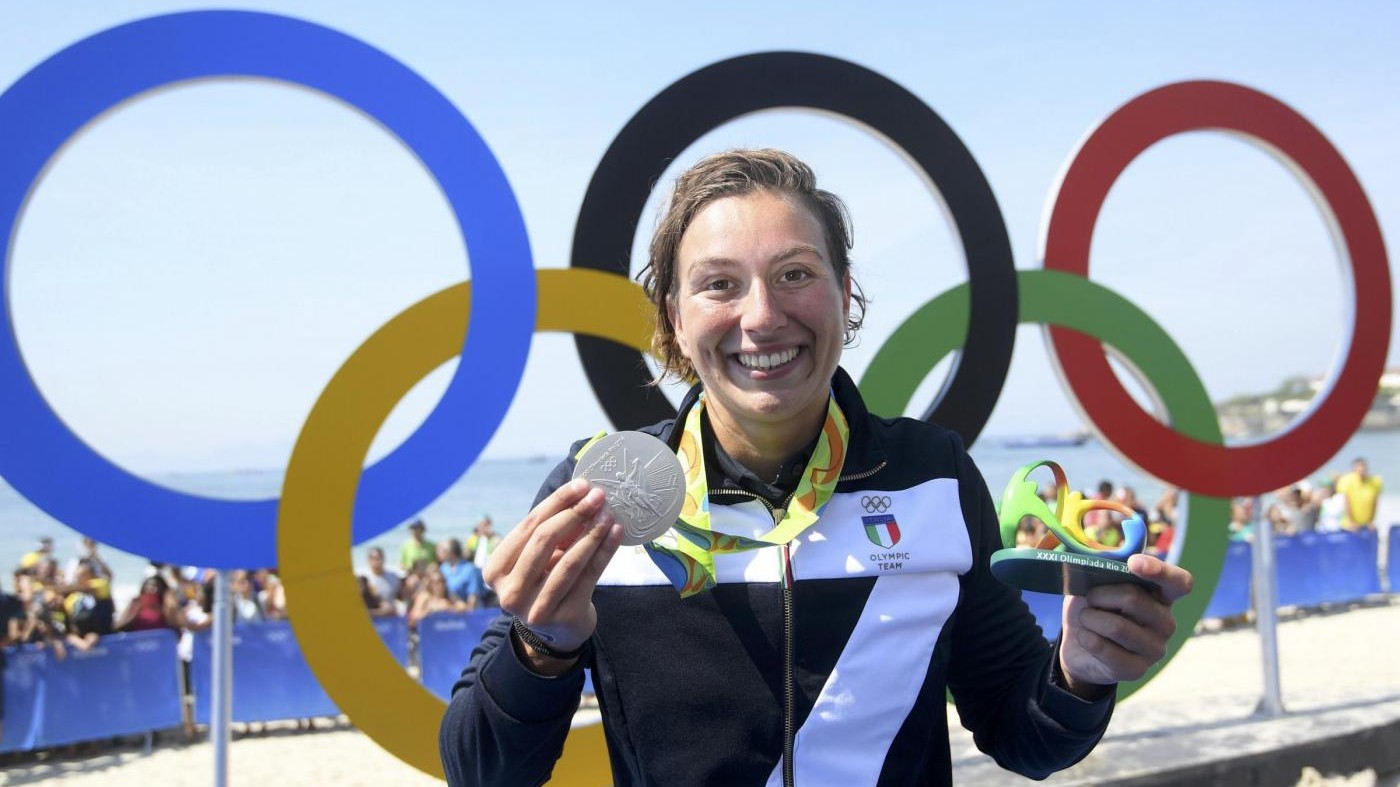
893, 605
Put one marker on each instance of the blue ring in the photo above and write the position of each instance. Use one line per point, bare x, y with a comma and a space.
48, 464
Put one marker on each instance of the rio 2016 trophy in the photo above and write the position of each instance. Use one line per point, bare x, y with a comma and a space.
1067, 560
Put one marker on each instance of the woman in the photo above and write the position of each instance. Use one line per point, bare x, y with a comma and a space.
432, 597
155, 607
822, 658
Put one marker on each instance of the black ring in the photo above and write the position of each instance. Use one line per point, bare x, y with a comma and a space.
696, 104
875, 504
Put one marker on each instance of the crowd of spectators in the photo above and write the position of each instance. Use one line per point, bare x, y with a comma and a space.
71, 608
441, 576
1342, 502
1106, 526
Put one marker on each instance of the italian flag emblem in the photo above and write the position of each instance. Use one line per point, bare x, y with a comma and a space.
881, 529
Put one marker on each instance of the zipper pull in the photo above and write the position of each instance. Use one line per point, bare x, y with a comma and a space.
779, 514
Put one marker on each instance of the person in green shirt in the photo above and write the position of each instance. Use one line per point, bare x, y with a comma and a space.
417, 551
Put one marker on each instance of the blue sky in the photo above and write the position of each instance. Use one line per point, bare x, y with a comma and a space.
195, 265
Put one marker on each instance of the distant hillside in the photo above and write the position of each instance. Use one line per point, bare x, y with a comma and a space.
1258, 414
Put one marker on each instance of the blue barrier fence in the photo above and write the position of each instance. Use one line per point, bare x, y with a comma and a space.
1232, 591
1312, 569
445, 642
271, 678
127, 684
1393, 559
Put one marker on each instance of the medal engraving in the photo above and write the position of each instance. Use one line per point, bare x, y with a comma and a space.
642, 479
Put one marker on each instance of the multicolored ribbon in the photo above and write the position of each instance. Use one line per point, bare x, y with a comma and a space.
685, 554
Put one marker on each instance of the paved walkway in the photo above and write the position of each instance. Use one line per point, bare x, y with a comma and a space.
1195, 723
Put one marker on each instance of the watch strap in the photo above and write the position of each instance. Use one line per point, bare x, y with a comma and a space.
537, 643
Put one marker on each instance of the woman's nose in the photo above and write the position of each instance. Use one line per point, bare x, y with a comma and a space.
763, 310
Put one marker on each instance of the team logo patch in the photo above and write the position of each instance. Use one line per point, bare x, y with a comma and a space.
875, 504
881, 529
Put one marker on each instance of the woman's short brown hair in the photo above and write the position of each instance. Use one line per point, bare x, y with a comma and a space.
731, 174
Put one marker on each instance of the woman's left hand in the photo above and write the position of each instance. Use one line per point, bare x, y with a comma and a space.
1117, 632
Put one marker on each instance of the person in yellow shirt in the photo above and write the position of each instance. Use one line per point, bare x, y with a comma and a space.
1362, 490
32, 559
88, 606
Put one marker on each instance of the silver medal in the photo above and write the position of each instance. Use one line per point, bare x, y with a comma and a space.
642, 479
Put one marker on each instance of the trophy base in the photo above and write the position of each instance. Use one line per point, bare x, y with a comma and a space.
1063, 573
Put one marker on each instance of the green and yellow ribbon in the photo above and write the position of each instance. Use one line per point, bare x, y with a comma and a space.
685, 554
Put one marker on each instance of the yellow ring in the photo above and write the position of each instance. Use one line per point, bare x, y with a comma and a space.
313, 521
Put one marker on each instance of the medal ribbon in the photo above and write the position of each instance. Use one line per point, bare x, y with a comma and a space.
686, 553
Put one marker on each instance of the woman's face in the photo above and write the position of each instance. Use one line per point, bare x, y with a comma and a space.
758, 309
437, 586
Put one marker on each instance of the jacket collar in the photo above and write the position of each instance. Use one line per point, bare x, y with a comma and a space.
863, 455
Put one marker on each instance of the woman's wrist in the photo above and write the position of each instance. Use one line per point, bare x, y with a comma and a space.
539, 656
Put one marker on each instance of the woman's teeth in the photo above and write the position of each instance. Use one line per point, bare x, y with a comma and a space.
767, 360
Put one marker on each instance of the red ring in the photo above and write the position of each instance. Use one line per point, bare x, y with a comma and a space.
1171, 456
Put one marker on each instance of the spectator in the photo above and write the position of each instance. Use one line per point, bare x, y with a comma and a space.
31, 560
1361, 490
272, 597
1165, 510
244, 599
1160, 536
385, 582
1097, 521
433, 597
482, 541
46, 574
88, 607
1309, 507
1128, 497
11, 621
378, 607
196, 616
153, 608
87, 550
463, 579
1332, 507
39, 626
417, 552
1287, 512
1029, 531
1241, 520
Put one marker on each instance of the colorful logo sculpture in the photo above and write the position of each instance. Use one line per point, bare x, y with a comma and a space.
329, 503
1067, 559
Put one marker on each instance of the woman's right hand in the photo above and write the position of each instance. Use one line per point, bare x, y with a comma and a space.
545, 570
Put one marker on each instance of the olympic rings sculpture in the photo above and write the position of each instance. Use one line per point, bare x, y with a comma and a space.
329, 503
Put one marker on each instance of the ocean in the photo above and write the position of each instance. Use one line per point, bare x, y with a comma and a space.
505, 488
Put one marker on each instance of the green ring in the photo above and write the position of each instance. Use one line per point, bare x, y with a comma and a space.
939, 327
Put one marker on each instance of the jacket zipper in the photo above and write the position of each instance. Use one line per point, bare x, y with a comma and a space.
789, 651
789, 671
789, 622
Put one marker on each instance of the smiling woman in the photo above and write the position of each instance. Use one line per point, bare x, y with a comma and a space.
759, 312
763, 617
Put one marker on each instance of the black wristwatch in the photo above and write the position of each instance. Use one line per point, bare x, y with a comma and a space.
537, 643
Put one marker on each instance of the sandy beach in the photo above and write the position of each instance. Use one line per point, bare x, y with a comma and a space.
1328, 661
